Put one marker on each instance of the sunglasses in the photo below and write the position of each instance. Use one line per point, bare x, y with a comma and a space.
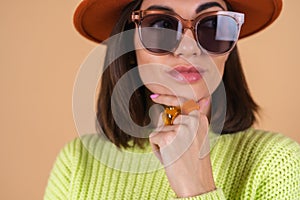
161, 31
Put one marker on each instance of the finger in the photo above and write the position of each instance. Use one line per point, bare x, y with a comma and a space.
184, 119
160, 123
162, 139
194, 123
181, 119
195, 114
169, 100
159, 142
165, 129
156, 151
186, 125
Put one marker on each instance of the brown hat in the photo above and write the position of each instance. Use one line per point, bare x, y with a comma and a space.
95, 19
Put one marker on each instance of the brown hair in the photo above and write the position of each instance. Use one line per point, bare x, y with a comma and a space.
240, 112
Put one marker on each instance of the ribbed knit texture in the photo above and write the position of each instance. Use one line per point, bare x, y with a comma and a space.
247, 165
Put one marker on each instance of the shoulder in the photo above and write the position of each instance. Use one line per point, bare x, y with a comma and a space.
269, 142
262, 141
264, 150
80, 147
266, 164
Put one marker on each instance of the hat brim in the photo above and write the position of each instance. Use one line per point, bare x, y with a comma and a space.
259, 14
95, 19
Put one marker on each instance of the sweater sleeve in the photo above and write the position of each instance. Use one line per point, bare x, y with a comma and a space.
60, 176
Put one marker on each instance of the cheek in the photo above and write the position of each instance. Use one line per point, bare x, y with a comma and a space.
220, 62
150, 68
142, 56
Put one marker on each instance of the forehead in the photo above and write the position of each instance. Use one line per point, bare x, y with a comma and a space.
184, 7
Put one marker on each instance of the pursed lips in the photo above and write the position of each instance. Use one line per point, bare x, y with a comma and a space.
186, 74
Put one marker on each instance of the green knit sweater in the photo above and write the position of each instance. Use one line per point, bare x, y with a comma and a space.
247, 165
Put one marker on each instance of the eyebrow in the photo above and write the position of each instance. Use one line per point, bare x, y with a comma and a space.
199, 9
208, 5
157, 7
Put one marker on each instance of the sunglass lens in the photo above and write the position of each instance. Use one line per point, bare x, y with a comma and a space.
160, 33
217, 33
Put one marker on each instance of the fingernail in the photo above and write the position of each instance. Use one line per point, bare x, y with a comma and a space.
154, 96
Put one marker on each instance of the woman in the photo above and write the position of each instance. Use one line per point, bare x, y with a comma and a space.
170, 53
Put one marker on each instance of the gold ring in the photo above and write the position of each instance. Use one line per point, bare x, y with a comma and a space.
171, 112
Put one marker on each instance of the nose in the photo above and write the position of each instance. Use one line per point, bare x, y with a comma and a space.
188, 46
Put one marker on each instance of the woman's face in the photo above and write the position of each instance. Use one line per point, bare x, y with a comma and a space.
187, 72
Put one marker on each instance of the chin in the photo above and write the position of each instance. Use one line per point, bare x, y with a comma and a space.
187, 92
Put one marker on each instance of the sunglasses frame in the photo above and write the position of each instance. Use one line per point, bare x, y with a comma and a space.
138, 16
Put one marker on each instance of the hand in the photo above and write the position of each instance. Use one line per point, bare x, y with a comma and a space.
178, 148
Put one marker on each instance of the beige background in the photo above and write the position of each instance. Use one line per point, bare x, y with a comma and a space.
41, 54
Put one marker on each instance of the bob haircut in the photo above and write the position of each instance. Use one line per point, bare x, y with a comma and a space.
241, 108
